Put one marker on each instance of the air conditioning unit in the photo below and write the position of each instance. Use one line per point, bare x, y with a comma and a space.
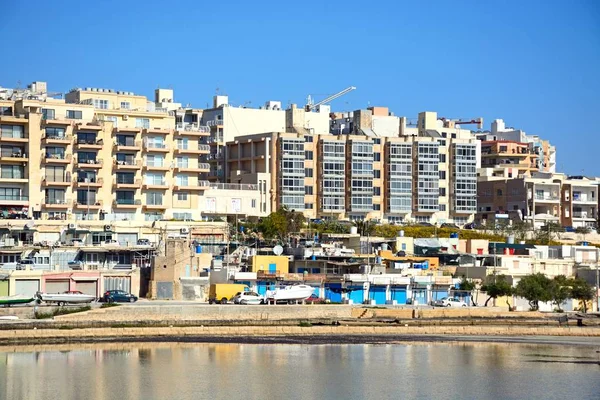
72, 226
125, 117
107, 228
184, 230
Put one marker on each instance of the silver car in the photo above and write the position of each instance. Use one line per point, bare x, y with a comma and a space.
252, 298
450, 302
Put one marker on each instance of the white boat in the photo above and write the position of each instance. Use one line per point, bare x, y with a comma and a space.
290, 293
72, 296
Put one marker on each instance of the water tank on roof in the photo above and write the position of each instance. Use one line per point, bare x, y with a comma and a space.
353, 230
401, 233
510, 239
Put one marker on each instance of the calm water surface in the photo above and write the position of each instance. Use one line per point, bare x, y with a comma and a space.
154, 371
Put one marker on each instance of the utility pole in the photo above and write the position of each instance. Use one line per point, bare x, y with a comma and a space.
597, 288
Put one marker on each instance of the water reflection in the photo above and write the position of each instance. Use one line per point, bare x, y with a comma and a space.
189, 371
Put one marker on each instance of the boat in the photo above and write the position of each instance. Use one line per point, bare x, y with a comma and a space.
290, 293
8, 301
71, 296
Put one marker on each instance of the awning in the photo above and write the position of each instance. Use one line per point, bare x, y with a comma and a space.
94, 250
85, 278
11, 251
78, 230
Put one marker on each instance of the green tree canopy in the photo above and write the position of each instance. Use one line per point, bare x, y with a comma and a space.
582, 291
560, 290
281, 224
497, 286
534, 288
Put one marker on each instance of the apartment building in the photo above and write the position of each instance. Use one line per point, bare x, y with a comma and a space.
505, 158
539, 199
428, 177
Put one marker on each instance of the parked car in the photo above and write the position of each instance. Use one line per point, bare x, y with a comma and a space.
447, 225
252, 298
118, 296
449, 302
110, 242
143, 242
23, 263
314, 299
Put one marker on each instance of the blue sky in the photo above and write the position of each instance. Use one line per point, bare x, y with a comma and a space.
533, 63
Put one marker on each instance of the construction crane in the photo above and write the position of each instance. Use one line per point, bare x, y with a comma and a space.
451, 123
311, 106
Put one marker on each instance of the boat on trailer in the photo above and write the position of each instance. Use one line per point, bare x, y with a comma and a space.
71, 296
289, 294
7, 301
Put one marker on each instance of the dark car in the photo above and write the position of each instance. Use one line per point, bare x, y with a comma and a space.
118, 296
314, 299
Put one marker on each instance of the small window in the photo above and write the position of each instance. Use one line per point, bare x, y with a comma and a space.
442, 158
125, 105
444, 134
499, 192
182, 196
377, 141
454, 136
376, 156
308, 190
442, 175
253, 203
376, 207
376, 173
73, 114
308, 155
376, 191
308, 172
308, 206
308, 138
442, 207
442, 191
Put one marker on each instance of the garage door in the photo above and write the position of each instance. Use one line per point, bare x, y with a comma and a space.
420, 296
377, 293
117, 283
88, 288
399, 294
3, 288
333, 292
27, 287
57, 286
125, 239
356, 294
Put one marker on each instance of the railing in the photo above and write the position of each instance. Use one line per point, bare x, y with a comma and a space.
65, 179
155, 145
90, 181
10, 197
57, 137
90, 162
57, 201
159, 183
203, 147
14, 137
137, 163
233, 186
192, 128
204, 183
157, 165
158, 109
203, 166
90, 141
65, 157
128, 144
89, 202
128, 202
14, 155
550, 197
127, 181
214, 122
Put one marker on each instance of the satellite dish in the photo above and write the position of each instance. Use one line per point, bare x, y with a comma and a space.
278, 250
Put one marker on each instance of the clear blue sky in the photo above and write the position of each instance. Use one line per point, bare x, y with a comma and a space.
536, 64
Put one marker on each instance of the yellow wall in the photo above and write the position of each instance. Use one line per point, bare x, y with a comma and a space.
261, 263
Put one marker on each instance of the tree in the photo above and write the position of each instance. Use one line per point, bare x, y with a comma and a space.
281, 223
497, 286
520, 229
534, 288
583, 230
560, 290
582, 291
548, 232
467, 285
364, 228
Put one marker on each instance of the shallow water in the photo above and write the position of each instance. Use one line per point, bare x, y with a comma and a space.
286, 371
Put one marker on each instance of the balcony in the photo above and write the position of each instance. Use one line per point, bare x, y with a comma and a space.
127, 183
57, 159
584, 215
128, 129
127, 164
93, 182
89, 126
199, 149
14, 180
201, 185
156, 167
155, 206
128, 146
14, 200
127, 203
156, 148
15, 157
57, 139
584, 198
215, 122
9, 139
57, 203
91, 204
192, 130
56, 181
162, 185
89, 164
156, 131
546, 198
233, 186
202, 167
89, 144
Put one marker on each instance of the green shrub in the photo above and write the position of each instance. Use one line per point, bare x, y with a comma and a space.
60, 311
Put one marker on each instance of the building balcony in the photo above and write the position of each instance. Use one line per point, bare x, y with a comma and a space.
13, 119
192, 130
54, 181
199, 149
127, 203
90, 164
91, 204
156, 148
15, 157
128, 129
215, 123
57, 139
156, 131
584, 200
89, 126
584, 216
201, 185
127, 165
127, 184
81, 183
155, 206
546, 199
156, 167
133, 146
202, 167
57, 203
13, 200
89, 144
156, 186
8, 139
57, 159
14, 180
55, 120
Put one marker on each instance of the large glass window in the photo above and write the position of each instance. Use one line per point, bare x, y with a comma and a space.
154, 160
12, 171
53, 132
154, 198
12, 131
154, 178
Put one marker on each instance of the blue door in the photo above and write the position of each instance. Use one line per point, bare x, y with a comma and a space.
261, 287
377, 293
272, 268
420, 295
356, 294
399, 294
333, 292
317, 290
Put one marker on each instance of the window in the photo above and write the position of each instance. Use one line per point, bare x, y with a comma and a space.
125, 105
444, 134
154, 160
442, 142
453, 136
308, 190
182, 162
86, 197
308, 138
503, 149
125, 178
253, 203
86, 138
308, 206
48, 113
11, 194
377, 156
102, 104
442, 158
99, 237
442, 175
376, 191
154, 198
499, 192
125, 197
5, 110
182, 143
442, 192
155, 178
153, 216
308, 155
86, 157
376, 173
182, 196
125, 140
73, 114
308, 172
142, 123
55, 133
55, 196
12, 171
376, 207
13, 131
181, 180
376, 141
182, 216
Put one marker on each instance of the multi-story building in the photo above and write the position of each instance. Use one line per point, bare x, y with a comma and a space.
505, 158
539, 199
